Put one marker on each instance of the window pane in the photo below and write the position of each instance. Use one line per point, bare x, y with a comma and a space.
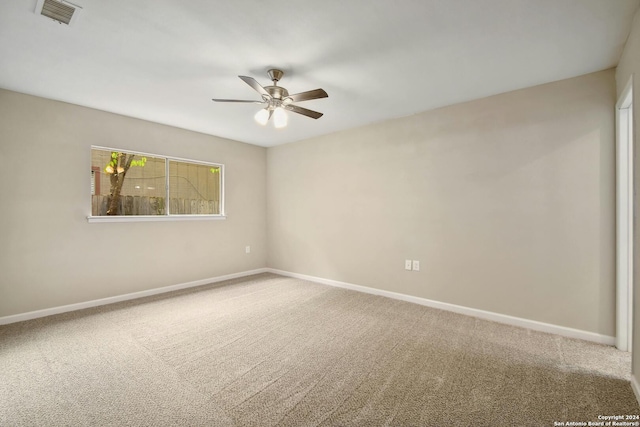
194, 188
124, 183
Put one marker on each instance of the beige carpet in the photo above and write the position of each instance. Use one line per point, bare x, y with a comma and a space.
269, 350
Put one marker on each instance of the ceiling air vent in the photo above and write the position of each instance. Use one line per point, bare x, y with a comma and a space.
60, 11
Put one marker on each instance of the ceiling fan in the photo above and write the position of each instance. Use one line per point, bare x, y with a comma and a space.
277, 99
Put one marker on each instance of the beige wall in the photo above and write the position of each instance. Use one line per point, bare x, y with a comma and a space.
507, 202
630, 66
51, 255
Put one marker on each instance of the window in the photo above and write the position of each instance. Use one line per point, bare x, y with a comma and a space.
195, 188
148, 186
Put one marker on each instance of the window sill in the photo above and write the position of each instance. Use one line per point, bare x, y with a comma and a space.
152, 218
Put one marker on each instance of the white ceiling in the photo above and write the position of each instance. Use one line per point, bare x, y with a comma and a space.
163, 60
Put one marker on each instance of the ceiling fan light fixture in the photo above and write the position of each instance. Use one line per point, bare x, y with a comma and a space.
262, 116
280, 118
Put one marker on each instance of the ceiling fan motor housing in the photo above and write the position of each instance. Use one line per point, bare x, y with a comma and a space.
277, 92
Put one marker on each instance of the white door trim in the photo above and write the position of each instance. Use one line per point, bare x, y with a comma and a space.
624, 216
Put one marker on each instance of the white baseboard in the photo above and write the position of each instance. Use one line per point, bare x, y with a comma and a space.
110, 300
482, 314
635, 387
496, 317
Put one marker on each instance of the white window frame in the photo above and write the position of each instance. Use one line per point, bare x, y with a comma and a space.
625, 218
168, 216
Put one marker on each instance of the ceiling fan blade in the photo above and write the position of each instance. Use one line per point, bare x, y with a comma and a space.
304, 111
308, 95
237, 100
255, 85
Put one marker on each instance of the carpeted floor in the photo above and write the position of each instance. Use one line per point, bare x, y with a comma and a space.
269, 350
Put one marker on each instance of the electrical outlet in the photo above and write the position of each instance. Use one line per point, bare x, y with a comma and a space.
247, 249
416, 265
407, 264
